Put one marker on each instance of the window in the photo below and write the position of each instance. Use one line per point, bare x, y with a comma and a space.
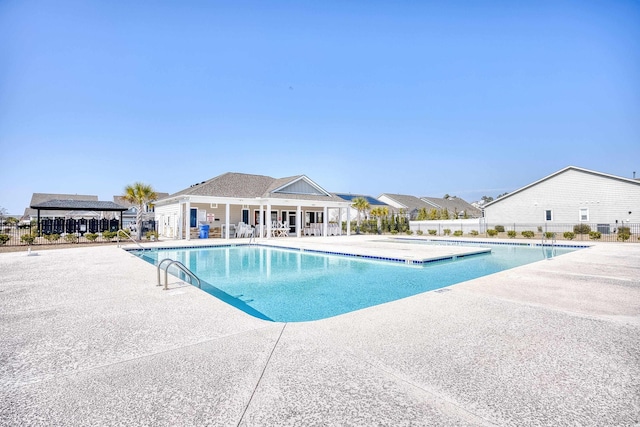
547, 215
584, 214
313, 217
193, 218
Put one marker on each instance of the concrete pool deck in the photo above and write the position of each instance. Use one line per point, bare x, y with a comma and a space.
89, 339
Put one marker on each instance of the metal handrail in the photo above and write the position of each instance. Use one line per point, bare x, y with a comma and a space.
180, 266
553, 246
129, 236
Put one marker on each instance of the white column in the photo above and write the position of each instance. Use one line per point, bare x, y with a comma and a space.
268, 220
299, 221
187, 219
261, 221
325, 221
348, 221
226, 220
179, 222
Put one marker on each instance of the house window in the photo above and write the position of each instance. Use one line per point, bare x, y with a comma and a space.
584, 214
245, 216
548, 215
193, 218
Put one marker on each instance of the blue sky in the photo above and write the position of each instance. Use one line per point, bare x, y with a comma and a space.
369, 97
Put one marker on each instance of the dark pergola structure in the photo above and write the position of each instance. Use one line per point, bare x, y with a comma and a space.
77, 205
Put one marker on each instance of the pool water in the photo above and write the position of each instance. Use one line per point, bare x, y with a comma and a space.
291, 285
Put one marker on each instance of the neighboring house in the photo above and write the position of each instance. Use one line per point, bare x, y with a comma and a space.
373, 203
572, 195
129, 216
409, 205
454, 205
255, 200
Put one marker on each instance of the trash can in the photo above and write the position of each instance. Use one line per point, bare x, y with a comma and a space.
204, 231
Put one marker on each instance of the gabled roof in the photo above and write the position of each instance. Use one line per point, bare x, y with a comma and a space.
372, 201
79, 205
568, 168
242, 185
37, 198
452, 204
408, 202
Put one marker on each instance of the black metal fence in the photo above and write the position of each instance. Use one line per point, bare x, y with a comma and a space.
61, 231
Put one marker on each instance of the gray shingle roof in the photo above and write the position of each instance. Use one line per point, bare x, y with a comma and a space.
242, 185
452, 205
411, 202
86, 205
37, 198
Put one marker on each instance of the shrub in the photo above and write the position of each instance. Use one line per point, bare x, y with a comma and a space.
4, 238
474, 232
623, 236
28, 238
528, 234
123, 234
624, 230
569, 235
549, 235
52, 237
457, 233
419, 232
499, 228
511, 233
394, 231
71, 238
108, 235
581, 229
595, 235
408, 232
446, 231
539, 229
432, 232
153, 235
492, 233
91, 236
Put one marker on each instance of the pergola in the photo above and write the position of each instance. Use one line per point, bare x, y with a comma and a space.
78, 205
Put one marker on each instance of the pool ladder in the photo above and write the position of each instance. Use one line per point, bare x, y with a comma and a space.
549, 241
181, 267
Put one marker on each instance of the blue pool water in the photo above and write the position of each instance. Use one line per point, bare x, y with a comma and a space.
292, 286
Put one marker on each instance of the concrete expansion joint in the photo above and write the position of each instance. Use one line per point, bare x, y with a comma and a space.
442, 402
264, 368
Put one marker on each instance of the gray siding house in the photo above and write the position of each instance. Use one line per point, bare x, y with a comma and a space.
570, 196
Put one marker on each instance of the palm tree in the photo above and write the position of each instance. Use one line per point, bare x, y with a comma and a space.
361, 205
378, 213
141, 195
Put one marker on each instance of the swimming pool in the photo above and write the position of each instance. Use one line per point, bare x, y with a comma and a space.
289, 285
